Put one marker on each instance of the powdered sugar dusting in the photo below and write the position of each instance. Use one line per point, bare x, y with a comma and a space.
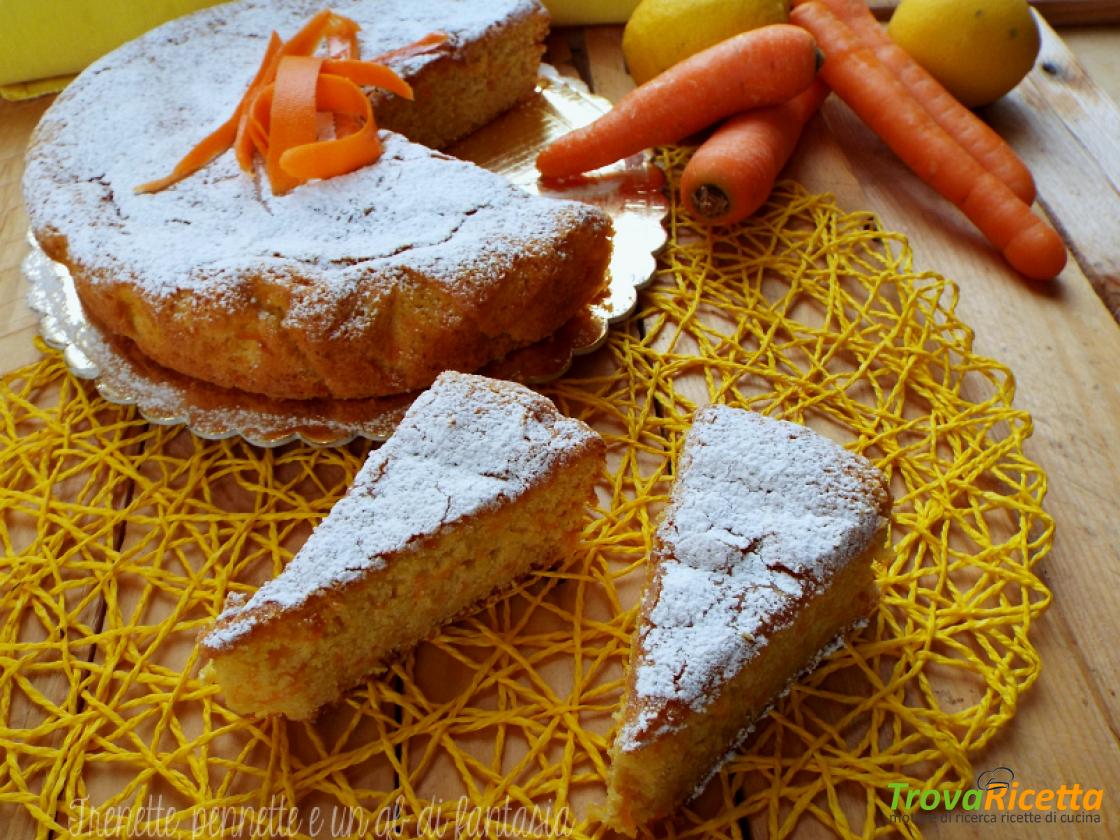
763, 513
134, 113
465, 446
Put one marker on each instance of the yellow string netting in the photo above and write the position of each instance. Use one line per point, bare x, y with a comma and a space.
121, 539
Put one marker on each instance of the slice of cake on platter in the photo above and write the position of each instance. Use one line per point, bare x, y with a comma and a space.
763, 557
482, 482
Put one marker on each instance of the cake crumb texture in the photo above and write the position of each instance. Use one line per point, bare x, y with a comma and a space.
482, 481
763, 556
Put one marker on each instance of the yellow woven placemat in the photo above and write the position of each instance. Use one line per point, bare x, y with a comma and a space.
121, 540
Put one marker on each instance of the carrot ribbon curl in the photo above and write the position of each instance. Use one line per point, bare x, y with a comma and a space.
294, 97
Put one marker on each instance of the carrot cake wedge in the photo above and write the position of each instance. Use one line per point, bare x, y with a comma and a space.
763, 558
482, 482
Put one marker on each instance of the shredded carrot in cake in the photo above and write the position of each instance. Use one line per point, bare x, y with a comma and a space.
428, 42
279, 118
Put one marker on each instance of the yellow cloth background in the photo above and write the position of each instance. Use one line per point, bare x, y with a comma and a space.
588, 12
43, 44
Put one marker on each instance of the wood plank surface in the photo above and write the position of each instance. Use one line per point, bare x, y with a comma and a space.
18, 325
1062, 345
1070, 709
1059, 107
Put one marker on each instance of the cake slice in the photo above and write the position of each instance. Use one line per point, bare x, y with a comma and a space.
482, 481
763, 557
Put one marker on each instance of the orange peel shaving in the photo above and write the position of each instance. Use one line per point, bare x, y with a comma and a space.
279, 116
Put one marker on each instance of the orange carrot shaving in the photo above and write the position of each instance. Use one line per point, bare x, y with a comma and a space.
208, 148
307, 40
241, 145
369, 74
345, 125
303, 42
257, 135
259, 122
341, 96
220, 139
342, 38
291, 118
327, 158
293, 97
344, 47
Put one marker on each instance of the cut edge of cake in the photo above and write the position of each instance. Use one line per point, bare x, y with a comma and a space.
482, 482
763, 561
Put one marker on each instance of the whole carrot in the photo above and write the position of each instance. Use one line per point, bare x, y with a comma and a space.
761, 67
883, 102
977, 137
733, 172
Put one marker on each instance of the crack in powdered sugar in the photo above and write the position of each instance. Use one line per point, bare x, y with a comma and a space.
763, 514
467, 445
138, 110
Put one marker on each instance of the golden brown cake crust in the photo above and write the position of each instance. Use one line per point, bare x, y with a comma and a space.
363, 285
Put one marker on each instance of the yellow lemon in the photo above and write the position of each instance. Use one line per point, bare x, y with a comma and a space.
978, 49
662, 32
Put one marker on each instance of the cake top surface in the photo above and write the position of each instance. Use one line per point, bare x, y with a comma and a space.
132, 115
762, 514
467, 445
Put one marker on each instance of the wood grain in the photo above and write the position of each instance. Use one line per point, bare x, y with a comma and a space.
1043, 744
1097, 51
17, 324
1064, 383
1068, 131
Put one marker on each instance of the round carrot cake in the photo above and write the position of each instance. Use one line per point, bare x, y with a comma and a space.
360, 285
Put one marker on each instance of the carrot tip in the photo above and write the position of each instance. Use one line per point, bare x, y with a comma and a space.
710, 201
